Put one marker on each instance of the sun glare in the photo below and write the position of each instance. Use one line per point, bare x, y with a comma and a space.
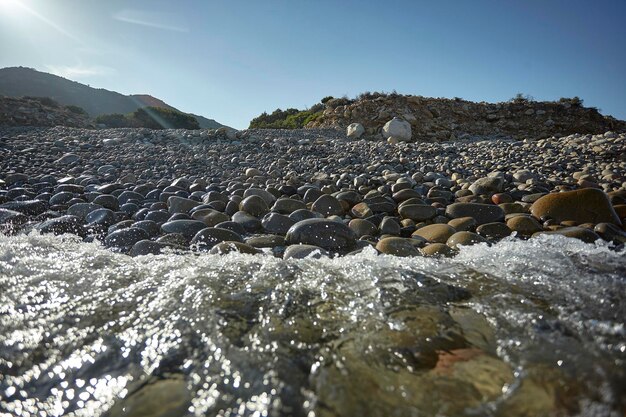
9, 6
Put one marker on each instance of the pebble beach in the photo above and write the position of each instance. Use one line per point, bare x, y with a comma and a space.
302, 273
292, 193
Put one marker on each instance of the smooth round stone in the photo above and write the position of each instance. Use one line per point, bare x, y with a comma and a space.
276, 223
493, 230
327, 234
29, 207
265, 195
157, 216
101, 217
463, 224
512, 208
224, 248
16, 178
304, 214
610, 233
288, 205
20, 192
230, 225
109, 188
60, 198
265, 241
254, 205
149, 226
482, 213
148, 247
311, 195
390, 226
253, 172
63, 224
417, 212
182, 183
304, 251
501, 198
125, 224
187, 228
107, 201
127, 196
68, 158
210, 217
125, 237
362, 227
215, 196
349, 197
81, 210
531, 198
406, 194
435, 233
587, 205
464, 239
524, 225
361, 211
211, 236
397, 246
581, 233
176, 239
327, 205
129, 208
249, 222
487, 185
177, 204
437, 249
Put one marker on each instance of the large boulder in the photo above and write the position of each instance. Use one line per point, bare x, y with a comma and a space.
355, 131
397, 128
587, 205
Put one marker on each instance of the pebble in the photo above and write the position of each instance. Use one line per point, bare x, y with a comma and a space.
481, 213
327, 234
465, 239
397, 246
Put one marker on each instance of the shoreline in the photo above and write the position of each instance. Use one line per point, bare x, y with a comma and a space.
307, 191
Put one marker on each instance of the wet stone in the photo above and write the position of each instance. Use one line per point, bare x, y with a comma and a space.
464, 239
397, 246
327, 234
211, 236
125, 237
482, 213
302, 251
187, 228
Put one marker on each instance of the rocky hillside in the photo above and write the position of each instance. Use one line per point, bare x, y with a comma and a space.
42, 112
20, 81
438, 119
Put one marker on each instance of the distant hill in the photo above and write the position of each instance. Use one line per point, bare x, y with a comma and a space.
21, 81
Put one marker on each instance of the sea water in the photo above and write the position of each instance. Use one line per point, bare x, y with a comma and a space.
520, 328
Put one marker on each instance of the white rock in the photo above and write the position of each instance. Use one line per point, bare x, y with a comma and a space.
397, 128
355, 131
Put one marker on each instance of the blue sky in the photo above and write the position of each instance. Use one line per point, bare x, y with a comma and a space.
231, 60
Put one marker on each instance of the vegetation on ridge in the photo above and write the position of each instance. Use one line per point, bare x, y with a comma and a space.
151, 118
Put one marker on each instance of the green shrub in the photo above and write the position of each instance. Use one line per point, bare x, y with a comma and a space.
521, 98
287, 119
574, 101
76, 110
151, 118
46, 101
114, 120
